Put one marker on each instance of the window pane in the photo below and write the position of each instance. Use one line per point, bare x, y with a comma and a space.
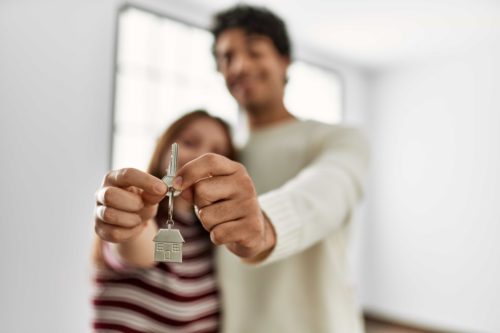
165, 68
313, 93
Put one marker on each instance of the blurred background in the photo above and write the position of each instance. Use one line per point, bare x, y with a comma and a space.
88, 85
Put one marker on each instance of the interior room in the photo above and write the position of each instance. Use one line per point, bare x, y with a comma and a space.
88, 86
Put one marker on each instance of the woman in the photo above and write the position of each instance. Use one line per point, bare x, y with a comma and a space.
164, 297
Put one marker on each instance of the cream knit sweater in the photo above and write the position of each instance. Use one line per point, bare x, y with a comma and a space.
309, 178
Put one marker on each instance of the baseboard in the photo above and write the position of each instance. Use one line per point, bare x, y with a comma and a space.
404, 323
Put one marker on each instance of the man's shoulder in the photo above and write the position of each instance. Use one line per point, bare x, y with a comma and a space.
325, 130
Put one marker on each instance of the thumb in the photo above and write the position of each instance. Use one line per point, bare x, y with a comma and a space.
154, 198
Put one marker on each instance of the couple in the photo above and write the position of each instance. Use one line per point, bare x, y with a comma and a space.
279, 217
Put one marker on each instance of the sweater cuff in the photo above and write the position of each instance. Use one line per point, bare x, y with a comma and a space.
286, 225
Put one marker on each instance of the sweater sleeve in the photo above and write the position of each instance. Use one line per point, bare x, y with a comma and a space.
321, 197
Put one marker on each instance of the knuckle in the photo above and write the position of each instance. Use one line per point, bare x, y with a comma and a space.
107, 214
99, 230
148, 212
255, 229
114, 235
247, 183
246, 243
125, 174
211, 158
107, 196
245, 252
109, 175
106, 233
241, 168
217, 237
201, 189
136, 220
204, 194
208, 221
140, 204
251, 205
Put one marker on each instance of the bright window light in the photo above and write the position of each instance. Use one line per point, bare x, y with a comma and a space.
165, 68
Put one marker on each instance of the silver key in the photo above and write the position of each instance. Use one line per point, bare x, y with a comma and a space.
172, 167
168, 242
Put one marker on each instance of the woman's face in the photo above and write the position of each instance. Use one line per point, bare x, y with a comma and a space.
200, 137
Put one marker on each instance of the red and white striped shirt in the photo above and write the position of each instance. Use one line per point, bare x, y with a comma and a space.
170, 297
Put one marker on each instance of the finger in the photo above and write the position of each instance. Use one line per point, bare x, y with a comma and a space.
227, 232
188, 195
148, 212
205, 166
246, 252
117, 217
210, 190
154, 188
147, 198
239, 239
151, 199
223, 211
118, 198
114, 234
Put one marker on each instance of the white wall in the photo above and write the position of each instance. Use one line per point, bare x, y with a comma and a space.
56, 72
432, 219
55, 88
432, 254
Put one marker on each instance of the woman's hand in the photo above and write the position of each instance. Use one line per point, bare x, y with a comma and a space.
127, 199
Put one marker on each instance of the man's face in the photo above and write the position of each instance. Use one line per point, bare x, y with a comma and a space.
252, 67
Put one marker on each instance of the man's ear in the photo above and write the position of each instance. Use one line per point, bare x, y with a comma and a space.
288, 60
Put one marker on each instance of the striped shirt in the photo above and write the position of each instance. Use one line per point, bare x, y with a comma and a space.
170, 297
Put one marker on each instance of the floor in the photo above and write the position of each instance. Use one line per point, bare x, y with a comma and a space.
378, 326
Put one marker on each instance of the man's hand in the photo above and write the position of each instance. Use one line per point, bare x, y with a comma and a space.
227, 205
127, 199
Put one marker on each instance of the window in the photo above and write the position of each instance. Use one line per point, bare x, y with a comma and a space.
165, 68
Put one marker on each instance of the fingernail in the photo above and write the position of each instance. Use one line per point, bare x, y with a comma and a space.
159, 188
197, 212
178, 182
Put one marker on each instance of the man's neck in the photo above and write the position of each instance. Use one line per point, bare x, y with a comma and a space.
268, 115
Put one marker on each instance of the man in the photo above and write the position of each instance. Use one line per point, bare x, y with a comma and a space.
282, 218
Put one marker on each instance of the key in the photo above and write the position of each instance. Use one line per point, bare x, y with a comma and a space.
168, 179
168, 242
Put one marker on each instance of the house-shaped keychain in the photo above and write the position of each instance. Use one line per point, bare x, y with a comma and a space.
168, 245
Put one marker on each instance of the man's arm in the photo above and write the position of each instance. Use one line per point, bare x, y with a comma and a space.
227, 205
281, 222
321, 197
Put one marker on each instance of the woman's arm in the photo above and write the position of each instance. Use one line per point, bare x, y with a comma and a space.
137, 252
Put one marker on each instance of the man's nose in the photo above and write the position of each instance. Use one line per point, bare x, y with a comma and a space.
240, 65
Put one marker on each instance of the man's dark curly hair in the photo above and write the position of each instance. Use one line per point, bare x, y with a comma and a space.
253, 20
